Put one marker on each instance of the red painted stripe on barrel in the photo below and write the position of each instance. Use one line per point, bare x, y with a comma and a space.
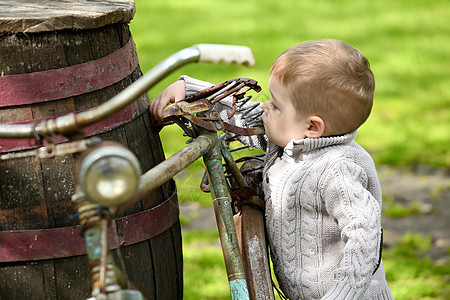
37, 87
25, 245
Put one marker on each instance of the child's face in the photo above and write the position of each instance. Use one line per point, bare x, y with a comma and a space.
281, 120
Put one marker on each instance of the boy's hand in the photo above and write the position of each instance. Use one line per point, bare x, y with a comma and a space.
173, 93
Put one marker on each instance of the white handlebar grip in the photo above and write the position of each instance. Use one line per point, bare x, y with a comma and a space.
226, 54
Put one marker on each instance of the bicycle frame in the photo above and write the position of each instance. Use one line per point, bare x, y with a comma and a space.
206, 145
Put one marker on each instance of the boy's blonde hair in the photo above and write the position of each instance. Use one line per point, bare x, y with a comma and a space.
330, 79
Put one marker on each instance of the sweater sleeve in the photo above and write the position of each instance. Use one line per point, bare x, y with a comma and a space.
193, 85
225, 108
358, 213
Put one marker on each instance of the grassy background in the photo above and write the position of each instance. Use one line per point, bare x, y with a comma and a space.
409, 274
408, 45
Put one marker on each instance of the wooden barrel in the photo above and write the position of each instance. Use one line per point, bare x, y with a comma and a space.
56, 58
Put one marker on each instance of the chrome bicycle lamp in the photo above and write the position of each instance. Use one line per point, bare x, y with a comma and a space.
109, 175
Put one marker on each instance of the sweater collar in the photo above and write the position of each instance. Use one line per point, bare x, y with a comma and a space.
296, 148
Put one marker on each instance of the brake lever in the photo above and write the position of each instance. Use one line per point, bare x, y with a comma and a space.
184, 107
221, 90
203, 101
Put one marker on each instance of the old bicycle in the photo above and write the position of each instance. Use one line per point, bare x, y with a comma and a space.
110, 179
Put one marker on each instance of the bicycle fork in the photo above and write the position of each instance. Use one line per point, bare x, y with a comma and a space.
108, 281
225, 224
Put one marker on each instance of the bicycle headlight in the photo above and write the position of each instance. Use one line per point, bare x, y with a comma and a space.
109, 175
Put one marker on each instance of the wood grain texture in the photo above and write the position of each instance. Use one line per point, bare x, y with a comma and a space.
30, 16
35, 193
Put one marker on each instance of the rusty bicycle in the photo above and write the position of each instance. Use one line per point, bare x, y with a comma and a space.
110, 180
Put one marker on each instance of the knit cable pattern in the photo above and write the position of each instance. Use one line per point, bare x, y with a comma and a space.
323, 221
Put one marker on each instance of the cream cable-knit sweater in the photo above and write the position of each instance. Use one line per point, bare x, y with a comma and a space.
323, 210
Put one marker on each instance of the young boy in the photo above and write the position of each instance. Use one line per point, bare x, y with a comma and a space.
322, 194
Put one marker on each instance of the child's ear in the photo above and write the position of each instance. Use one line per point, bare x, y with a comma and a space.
315, 127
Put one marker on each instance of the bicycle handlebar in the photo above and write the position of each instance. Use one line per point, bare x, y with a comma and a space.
74, 122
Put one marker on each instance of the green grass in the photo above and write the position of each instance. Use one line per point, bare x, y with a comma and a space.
394, 209
410, 275
407, 43
205, 276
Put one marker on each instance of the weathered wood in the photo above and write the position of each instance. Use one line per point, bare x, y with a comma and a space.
36, 281
58, 186
35, 193
163, 246
21, 53
138, 257
69, 276
29, 16
22, 201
